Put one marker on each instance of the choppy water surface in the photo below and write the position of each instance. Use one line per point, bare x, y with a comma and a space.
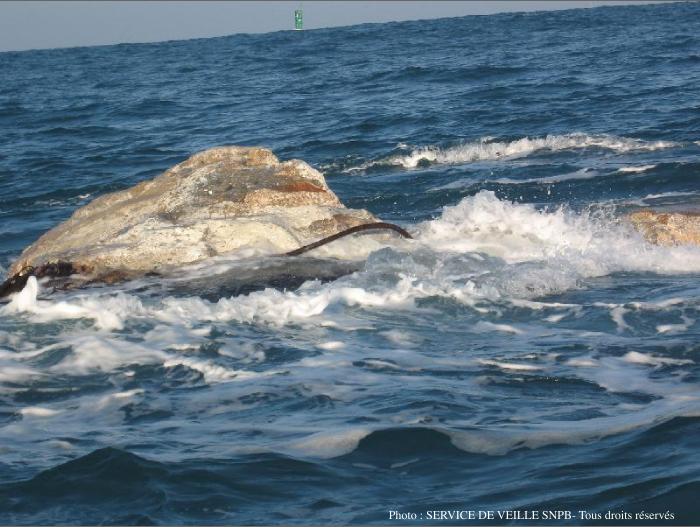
527, 350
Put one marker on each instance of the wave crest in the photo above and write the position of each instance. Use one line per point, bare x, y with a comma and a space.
487, 149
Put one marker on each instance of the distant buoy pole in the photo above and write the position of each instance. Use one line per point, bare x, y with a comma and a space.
298, 19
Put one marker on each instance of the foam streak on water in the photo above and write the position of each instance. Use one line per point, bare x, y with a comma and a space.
488, 150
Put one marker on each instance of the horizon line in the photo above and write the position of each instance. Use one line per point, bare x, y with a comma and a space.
291, 29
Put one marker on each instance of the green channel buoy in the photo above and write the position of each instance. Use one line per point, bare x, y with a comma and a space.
298, 19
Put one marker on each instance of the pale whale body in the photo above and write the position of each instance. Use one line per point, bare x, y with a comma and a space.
216, 202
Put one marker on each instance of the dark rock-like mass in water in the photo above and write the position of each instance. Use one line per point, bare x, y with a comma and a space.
217, 201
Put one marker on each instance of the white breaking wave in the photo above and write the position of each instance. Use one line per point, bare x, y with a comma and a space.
487, 150
108, 313
517, 232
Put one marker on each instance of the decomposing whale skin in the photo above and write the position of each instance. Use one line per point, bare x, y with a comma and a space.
215, 202
668, 228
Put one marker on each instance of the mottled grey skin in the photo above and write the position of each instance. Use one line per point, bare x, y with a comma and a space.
215, 202
668, 228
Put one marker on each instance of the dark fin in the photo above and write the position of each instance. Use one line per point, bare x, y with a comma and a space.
346, 232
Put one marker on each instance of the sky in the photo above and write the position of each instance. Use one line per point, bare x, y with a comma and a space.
51, 24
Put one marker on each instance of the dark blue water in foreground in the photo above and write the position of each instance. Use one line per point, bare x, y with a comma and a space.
528, 351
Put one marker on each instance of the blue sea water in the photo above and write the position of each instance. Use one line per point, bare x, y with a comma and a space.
528, 351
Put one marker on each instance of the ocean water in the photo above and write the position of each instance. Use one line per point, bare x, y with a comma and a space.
527, 351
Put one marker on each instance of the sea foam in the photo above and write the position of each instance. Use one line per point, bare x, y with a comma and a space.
488, 149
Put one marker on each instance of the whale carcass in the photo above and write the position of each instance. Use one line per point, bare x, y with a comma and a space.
668, 227
217, 201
